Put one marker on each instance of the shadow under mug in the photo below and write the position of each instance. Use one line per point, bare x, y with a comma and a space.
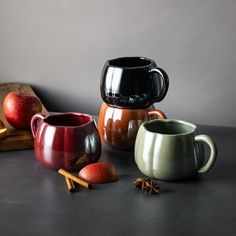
67, 140
133, 82
170, 150
118, 127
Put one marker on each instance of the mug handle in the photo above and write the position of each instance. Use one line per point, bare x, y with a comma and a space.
165, 83
35, 121
213, 152
155, 112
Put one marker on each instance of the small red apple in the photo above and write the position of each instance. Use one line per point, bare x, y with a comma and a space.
98, 173
19, 108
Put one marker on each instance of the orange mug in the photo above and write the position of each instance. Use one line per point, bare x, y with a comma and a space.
118, 127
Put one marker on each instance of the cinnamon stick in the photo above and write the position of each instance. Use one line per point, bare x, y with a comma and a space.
75, 178
70, 184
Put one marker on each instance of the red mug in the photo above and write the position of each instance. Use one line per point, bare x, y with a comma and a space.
68, 140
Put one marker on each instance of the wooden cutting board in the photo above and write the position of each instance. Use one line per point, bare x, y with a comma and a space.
16, 139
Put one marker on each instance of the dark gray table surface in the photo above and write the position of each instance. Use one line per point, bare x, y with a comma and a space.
35, 200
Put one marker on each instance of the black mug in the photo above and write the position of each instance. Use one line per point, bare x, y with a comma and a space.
133, 82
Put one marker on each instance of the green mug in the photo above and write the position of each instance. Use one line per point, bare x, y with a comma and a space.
172, 150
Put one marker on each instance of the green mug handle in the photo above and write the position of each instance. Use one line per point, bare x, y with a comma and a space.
213, 152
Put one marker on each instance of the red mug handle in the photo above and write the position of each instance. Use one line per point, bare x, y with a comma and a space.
155, 112
35, 121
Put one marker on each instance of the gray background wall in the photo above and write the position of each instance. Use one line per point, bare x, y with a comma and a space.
60, 47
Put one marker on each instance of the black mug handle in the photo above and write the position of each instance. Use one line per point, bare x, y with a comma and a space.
165, 83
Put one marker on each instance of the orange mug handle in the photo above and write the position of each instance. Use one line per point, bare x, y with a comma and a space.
35, 121
159, 114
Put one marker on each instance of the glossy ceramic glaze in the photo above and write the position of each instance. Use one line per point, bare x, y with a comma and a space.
68, 140
118, 127
133, 82
170, 150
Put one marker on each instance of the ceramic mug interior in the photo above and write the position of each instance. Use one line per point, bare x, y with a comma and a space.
70, 119
130, 62
169, 127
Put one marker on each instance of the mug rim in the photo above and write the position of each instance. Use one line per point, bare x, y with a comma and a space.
107, 105
176, 121
65, 114
108, 63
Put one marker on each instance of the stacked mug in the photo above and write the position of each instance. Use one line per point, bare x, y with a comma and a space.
166, 149
129, 88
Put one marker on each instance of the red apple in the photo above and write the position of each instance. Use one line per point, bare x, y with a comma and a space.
98, 173
19, 108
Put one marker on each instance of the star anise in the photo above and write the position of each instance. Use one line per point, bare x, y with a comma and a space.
147, 185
